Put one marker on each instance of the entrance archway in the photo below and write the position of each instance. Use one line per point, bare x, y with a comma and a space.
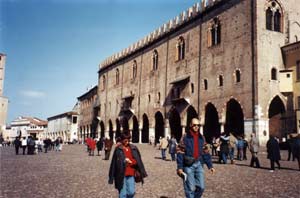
175, 124
111, 132
145, 129
135, 130
125, 125
191, 113
118, 128
234, 118
159, 126
102, 129
211, 123
276, 117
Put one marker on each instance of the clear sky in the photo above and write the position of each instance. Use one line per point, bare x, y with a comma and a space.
54, 47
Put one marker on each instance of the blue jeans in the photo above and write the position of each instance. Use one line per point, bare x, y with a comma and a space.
128, 188
163, 153
194, 184
231, 153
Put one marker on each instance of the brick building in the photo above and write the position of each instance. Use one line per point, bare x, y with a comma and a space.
218, 61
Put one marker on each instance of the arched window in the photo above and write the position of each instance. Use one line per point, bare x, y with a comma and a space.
214, 32
273, 74
205, 84
180, 49
158, 97
117, 76
155, 60
274, 16
220, 80
134, 69
237, 76
149, 98
103, 82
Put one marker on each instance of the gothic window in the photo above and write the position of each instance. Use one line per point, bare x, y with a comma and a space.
274, 16
117, 76
214, 33
273, 74
134, 69
155, 60
220, 80
149, 98
158, 97
205, 84
180, 49
192, 87
237, 76
103, 82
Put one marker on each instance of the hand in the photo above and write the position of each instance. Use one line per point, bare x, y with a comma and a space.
212, 170
127, 160
179, 171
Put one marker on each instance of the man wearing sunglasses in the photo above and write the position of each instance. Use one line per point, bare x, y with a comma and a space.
190, 160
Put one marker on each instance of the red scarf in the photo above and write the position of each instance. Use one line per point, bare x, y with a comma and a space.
196, 144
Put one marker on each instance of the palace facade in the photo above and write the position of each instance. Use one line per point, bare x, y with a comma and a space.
220, 61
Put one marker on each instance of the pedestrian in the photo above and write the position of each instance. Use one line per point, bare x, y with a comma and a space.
214, 146
224, 148
290, 144
273, 152
245, 146
296, 149
254, 146
163, 145
1, 140
99, 146
190, 159
17, 144
231, 145
24, 145
92, 146
125, 162
172, 147
107, 147
240, 148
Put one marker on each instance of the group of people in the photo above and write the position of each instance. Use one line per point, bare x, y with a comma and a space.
164, 144
101, 143
35, 146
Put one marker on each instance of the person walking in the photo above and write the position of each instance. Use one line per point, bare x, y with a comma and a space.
172, 147
163, 145
254, 146
125, 162
24, 145
273, 152
224, 148
231, 145
190, 159
17, 144
99, 146
108, 143
296, 149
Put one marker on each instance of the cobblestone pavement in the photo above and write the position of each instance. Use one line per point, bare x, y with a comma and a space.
72, 173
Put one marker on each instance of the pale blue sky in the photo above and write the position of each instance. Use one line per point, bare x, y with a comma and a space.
54, 47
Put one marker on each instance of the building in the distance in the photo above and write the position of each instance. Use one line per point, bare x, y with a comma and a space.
220, 61
88, 114
3, 99
27, 126
64, 126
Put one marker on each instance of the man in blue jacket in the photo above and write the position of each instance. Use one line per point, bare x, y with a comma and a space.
190, 160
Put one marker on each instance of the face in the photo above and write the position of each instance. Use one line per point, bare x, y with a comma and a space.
195, 125
125, 142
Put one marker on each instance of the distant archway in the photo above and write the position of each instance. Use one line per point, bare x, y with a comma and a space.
135, 130
125, 125
276, 117
159, 126
102, 129
145, 129
111, 132
175, 124
191, 113
118, 128
234, 118
211, 124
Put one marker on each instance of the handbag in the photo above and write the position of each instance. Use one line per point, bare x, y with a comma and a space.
188, 160
137, 176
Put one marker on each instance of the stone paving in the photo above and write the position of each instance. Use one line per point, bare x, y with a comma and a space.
72, 173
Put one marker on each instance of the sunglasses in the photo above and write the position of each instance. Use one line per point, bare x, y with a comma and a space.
198, 125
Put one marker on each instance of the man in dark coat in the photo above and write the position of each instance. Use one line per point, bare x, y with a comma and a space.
125, 162
17, 144
273, 152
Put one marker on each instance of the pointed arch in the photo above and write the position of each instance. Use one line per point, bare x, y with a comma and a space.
102, 129
145, 129
211, 123
234, 118
118, 128
175, 124
110, 130
159, 126
191, 113
135, 130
